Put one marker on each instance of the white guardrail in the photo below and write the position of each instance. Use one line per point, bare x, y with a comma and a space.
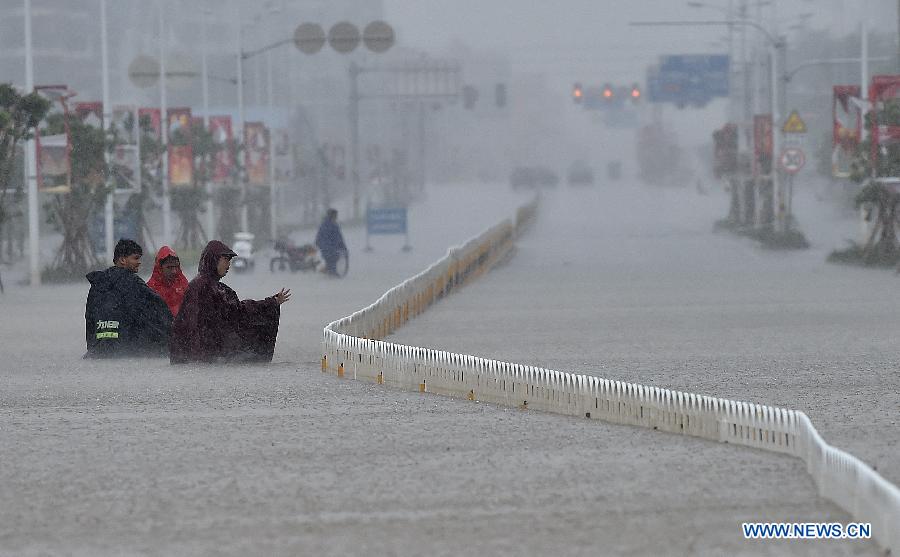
352, 348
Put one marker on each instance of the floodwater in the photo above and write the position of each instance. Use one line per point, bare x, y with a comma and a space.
138, 457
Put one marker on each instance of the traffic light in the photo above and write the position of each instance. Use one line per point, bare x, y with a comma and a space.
635, 92
577, 94
500, 95
608, 92
470, 95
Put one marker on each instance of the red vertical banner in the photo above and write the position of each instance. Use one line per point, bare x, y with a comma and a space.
181, 156
154, 119
201, 169
762, 144
284, 159
124, 124
53, 163
181, 165
846, 128
220, 128
847, 116
91, 113
884, 88
54, 167
256, 145
125, 163
179, 122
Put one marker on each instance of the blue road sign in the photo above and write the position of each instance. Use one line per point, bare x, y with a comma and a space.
688, 79
386, 220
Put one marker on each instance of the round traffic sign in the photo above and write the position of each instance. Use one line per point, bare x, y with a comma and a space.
378, 36
792, 159
180, 70
143, 71
309, 38
343, 37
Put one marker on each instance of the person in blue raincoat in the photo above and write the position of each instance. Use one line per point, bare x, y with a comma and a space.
330, 241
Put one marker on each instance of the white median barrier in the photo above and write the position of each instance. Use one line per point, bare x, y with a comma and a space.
353, 347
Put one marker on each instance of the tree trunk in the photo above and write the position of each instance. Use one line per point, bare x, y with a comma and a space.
884, 251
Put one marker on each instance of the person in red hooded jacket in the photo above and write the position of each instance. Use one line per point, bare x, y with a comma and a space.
214, 325
167, 279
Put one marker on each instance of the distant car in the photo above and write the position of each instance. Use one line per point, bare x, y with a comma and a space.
614, 170
580, 174
533, 177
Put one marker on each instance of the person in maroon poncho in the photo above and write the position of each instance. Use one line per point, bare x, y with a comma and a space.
167, 279
213, 325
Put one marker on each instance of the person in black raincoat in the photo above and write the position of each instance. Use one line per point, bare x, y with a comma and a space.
330, 241
213, 325
123, 316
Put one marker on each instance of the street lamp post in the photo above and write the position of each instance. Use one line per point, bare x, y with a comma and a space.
204, 70
240, 131
241, 56
273, 201
778, 55
34, 250
109, 220
164, 132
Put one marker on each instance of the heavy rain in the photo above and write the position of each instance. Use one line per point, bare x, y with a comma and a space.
394, 277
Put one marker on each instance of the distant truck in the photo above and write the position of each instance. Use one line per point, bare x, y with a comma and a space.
580, 174
533, 177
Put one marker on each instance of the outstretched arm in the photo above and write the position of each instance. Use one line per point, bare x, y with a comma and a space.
283, 296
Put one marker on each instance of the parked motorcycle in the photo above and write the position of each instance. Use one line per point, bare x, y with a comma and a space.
243, 247
293, 257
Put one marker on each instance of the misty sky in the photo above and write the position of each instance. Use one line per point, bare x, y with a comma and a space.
576, 37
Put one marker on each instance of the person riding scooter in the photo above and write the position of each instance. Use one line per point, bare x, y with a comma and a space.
330, 242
